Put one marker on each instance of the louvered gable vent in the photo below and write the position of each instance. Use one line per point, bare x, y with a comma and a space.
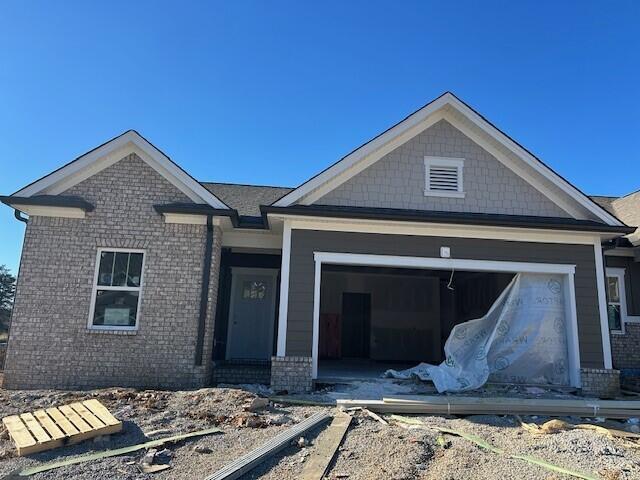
443, 177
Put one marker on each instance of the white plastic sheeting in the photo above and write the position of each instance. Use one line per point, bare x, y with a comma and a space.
521, 339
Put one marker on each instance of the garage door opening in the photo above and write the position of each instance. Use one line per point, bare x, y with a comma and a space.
372, 313
377, 318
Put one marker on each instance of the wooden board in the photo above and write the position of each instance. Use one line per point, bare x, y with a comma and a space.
319, 461
54, 427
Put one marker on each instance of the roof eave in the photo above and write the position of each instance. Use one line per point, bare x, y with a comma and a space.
360, 213
47, 201
198, 209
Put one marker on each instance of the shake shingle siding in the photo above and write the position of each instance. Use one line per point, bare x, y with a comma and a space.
398, 180
305, 242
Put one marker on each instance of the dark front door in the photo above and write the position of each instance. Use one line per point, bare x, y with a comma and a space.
356, 324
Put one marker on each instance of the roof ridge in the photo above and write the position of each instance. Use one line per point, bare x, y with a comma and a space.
245, 185
629, 194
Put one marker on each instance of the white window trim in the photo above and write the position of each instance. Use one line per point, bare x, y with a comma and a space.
95, 288
443, 162
619, 274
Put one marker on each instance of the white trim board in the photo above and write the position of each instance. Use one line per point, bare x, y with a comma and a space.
189, 219
108, 154
375, 260
252, 238
283, 308
602, 305
387, 227
570, 199
567, 271
50, 211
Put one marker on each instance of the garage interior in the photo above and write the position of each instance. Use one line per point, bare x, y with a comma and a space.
376, 318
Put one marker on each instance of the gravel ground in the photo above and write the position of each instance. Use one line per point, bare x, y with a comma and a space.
370, 450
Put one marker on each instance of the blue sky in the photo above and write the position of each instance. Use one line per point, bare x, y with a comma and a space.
272, 92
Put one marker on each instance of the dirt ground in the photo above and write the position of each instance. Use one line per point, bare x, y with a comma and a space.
370, 450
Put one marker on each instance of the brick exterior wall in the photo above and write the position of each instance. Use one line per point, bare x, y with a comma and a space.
398, 180
625, 347
599, 382
51, 345
291, 374
239, 372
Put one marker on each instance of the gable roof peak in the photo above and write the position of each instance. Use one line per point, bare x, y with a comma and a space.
537, 173
109, 153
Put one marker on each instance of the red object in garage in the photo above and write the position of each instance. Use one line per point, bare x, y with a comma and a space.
330, 336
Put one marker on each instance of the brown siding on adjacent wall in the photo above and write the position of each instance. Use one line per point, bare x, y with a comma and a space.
305, 242
631, 280
50, 344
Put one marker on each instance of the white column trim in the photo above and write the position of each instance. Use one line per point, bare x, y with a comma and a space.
316, 317
602, 305
284, 289
573, 344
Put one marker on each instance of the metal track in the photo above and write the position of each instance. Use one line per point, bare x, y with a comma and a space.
242, 465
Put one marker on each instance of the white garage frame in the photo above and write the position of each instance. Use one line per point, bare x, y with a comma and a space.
568, 271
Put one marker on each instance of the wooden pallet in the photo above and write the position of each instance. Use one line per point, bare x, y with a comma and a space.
58, 426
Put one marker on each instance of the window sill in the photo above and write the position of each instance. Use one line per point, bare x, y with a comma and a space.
616, 332
429, 193
112, 331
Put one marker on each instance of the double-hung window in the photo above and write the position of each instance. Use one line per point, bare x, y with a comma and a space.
116, 289
616, 301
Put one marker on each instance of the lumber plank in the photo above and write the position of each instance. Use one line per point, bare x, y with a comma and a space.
45, 442
101, 412
244, 464
35, 428
113, 453
318, 463
75, 419
87, 416
49, 425
25, 443
65, 425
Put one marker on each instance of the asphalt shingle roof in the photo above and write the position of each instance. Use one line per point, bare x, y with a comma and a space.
246, 199
626, 208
